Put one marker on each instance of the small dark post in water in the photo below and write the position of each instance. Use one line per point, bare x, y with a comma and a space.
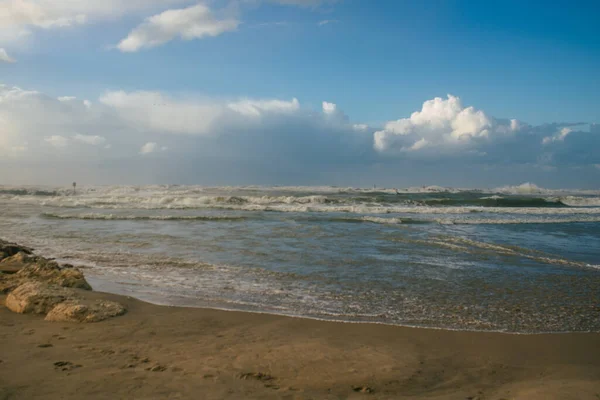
74, 184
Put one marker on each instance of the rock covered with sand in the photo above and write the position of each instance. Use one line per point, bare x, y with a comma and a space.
85, 311
37, 298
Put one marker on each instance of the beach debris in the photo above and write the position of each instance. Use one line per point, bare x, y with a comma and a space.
259, 376
363, 389
85, 311
37, 298
45, 345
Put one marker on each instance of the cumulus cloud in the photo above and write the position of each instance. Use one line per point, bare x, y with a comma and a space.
559, 136
148, 148
329, 108
256, 108
4, 57
443, 124
189, 23
157, 112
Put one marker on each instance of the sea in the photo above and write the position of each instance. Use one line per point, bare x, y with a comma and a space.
519, 259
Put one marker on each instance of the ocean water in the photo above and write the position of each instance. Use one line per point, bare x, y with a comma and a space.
516, 259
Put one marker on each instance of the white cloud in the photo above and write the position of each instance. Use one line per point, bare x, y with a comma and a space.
93, 140
57, 141
4, 57
152, 147
19, 17
443, 124
63, 13
329, 108
256, 108
558, 137
246, 136
148, 148
189, 23
327, 21
157, 112
418, 145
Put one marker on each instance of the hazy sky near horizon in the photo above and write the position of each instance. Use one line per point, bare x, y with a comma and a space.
300, 92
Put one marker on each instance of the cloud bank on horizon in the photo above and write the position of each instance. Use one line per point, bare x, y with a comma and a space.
130, 128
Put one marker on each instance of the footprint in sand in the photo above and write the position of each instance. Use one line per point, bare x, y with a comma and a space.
363, 389
262, 377
259, 376
157, 368
66, 365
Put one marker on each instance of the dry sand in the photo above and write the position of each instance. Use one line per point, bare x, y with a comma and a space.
156, 352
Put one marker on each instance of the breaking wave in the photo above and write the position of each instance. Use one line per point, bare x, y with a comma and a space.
113, 217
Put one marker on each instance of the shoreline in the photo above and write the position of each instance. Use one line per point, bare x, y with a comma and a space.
86, 265
170, 352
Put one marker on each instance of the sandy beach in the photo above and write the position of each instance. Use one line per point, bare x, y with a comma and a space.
61, 340
156, 352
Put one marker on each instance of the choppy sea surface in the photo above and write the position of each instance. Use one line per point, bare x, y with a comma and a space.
516, 259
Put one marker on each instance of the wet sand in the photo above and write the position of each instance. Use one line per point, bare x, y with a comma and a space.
156, 352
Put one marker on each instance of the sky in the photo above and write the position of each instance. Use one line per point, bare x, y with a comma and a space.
300, 92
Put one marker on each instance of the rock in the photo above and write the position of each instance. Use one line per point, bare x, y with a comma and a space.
85, 311
37, 298
7, 283
15, 263
50, 272
8, 249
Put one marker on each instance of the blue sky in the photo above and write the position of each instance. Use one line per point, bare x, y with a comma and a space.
535, 62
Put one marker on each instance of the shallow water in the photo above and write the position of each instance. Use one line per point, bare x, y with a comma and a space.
519, 259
